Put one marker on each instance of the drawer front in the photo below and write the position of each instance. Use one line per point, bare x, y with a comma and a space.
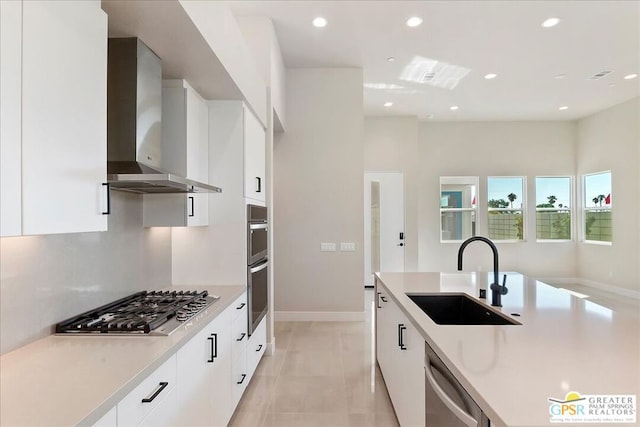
148, 394
256, 346
239, 335
239, 375
239, 307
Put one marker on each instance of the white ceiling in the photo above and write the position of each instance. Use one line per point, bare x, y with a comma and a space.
502, 37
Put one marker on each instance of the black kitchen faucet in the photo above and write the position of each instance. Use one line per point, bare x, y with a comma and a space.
496, 290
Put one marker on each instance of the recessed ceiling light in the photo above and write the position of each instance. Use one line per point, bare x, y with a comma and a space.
319, 22
391, 59
414, 21
388, 104
630, 76
561, 76
551, 22
490, 76
453, 108
564, 107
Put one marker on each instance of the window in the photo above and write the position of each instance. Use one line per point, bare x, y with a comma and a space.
458, 207
597, 207
553, 208
505, 200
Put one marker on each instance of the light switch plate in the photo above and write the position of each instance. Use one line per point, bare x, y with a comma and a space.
347, 246
327, 247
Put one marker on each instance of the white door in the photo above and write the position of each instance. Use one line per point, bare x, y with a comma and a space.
384, 241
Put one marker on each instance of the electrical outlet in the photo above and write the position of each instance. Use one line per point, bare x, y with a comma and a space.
347, 246
327, 247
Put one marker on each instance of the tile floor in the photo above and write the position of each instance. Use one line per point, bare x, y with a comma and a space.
321, 374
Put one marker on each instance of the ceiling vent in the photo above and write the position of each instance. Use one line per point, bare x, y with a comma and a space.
601, 74
428, 77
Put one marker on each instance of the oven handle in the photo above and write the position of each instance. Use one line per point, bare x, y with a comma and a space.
259, 226
258, 268
461, 414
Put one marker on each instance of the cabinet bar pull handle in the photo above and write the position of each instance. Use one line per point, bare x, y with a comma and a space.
241, 337
108, 211
155, 394
193, 211
213, 341
242, 380
259, 184
259, 347
401, 328
241, 306
378, 302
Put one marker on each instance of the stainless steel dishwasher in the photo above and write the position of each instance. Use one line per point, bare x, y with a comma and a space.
448, 403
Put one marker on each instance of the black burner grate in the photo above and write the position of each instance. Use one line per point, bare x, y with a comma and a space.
141, 312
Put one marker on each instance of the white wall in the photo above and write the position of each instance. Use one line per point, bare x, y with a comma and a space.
263, 42
493, 149
47, 279
610, 140
218, 26
318, 194
391, 145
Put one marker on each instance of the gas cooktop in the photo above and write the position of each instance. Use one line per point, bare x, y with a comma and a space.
151, 313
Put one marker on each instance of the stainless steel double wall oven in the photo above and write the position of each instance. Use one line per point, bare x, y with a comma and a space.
257, 264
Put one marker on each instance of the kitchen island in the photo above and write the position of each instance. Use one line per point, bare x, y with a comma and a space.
75, 380
564, 344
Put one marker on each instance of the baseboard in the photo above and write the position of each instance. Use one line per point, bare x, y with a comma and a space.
598, 286
270, 347
319, 316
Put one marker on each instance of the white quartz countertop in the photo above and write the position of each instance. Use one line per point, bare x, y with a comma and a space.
564, 344
71, 380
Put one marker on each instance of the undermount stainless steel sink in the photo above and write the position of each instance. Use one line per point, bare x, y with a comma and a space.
458, 309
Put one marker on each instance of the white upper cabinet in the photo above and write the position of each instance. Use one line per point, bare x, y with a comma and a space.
54, 132
254, 157
238, 159
185, 147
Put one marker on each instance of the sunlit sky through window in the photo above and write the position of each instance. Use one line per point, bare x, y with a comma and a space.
500, 188
553, 186
595, 185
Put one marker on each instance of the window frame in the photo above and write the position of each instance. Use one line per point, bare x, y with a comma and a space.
571, 209
586, 208
522, 209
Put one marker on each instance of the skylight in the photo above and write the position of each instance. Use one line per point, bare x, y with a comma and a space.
433, 72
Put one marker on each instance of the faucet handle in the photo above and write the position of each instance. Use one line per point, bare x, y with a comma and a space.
501, 289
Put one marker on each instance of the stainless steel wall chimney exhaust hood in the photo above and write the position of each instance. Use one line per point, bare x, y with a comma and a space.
134, 112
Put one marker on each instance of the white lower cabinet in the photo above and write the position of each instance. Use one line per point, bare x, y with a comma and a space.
203, 382
152, 402
204, 372
256, 346
400, 355
239, 337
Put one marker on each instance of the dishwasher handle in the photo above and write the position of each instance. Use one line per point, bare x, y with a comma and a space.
460, 413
